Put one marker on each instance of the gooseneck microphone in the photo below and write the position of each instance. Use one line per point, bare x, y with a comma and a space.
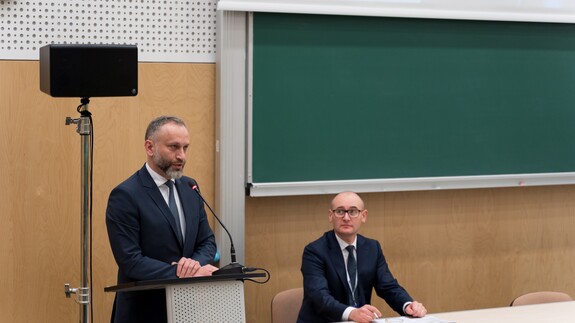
234, 267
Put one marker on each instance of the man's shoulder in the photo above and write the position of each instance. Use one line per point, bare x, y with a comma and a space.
134, 182
363, 241
366, 239
322, 242
130, 181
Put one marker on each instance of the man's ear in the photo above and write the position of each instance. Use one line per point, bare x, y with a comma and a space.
149, 146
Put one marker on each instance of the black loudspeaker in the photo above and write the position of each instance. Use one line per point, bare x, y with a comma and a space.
89, 70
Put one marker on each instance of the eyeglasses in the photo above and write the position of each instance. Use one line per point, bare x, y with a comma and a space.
340, 213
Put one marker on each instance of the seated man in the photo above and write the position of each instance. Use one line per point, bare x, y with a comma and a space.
341, 268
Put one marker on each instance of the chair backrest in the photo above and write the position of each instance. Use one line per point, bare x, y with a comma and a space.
540, 297
286, 305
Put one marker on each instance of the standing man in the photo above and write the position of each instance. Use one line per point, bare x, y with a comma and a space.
157, 224
341, 268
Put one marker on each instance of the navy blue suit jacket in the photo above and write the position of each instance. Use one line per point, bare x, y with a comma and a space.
142, 233
326, 291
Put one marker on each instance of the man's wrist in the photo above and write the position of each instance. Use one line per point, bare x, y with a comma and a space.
405, 306
346, 313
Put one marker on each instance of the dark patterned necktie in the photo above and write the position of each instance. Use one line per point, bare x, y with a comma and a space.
174, 209
352, 272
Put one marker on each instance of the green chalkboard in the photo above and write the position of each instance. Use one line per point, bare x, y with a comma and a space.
345, 98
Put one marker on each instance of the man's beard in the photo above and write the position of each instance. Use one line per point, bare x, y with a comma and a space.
166, 167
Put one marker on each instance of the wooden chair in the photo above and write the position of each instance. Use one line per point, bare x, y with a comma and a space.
286, 305
540, 297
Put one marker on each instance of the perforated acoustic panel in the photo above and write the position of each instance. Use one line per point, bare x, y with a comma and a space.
163, 30
221, 301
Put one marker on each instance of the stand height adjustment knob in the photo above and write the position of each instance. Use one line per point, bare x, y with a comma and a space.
69, 290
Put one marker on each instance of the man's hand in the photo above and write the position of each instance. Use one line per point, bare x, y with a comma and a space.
415, 309
206, 270
187, 267
364, 314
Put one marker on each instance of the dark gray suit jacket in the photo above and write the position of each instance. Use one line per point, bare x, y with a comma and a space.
326, 291
142, 233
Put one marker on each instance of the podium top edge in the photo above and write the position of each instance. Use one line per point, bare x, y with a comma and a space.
162, 283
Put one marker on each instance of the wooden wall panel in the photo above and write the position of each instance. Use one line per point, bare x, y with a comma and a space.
40, 176
452, 250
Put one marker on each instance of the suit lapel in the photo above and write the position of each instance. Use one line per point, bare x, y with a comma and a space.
186, 203
336, 258
362, 254
154, 193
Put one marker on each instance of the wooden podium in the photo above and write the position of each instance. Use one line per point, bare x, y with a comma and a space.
198, 299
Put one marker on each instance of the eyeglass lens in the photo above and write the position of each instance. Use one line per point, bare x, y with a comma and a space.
352, 212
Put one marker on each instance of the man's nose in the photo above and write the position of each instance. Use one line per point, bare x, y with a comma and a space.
181, 154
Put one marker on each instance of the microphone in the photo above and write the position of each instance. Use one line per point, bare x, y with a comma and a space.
234, 267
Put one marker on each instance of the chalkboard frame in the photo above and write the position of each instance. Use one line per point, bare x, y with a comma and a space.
398, 183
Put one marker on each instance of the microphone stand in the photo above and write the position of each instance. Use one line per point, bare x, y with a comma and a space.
234, 267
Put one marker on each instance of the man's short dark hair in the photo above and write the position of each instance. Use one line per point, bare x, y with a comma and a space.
157, 123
